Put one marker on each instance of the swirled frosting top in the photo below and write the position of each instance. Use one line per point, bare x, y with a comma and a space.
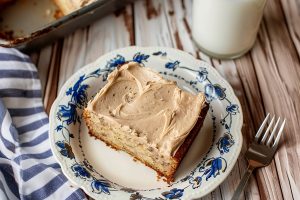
142, 103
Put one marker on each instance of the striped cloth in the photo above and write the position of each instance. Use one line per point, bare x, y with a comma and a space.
27, 167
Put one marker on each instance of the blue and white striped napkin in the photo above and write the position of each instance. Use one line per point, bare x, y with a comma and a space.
27, 168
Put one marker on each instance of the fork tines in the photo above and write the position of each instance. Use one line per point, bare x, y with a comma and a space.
266, 134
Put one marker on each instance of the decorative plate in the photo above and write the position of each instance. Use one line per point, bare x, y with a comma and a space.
104, 173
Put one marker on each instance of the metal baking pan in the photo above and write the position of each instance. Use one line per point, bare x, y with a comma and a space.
30, 24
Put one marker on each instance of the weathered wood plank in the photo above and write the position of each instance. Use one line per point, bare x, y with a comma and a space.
110, 33
253, 111
53, 75
180, 29
85, 45
150, 23
73, 55
291, 10
229, 69
277, 68
43, 65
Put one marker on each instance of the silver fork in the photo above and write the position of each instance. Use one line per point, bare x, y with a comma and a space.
260, 152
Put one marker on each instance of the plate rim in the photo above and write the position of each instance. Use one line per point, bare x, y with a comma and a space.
196, 193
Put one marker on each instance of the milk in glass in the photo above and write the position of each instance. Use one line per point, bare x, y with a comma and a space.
226, 28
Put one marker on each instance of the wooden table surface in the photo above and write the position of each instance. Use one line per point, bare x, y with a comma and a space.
267, 79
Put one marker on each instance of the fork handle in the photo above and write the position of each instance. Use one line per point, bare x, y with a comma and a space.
242, 183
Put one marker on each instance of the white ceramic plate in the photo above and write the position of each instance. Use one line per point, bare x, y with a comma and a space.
104, 173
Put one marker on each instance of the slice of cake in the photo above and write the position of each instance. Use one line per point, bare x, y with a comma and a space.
149, 117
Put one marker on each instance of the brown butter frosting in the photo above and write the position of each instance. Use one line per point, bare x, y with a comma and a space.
155, 110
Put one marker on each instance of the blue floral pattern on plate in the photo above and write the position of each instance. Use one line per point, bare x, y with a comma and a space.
68, 114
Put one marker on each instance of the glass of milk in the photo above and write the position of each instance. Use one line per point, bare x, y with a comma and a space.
226, 28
